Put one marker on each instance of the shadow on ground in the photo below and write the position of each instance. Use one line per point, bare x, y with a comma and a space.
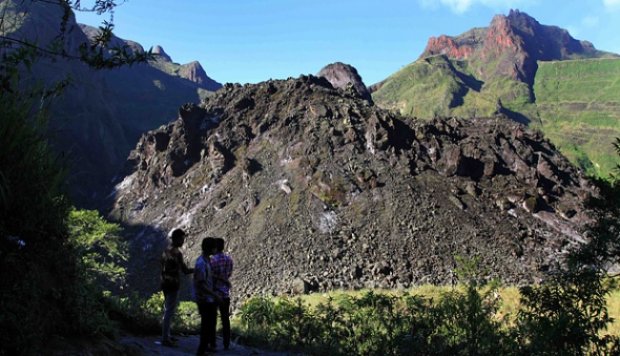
150, 345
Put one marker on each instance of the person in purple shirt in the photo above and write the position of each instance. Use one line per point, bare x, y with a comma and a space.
205, 297
222, 267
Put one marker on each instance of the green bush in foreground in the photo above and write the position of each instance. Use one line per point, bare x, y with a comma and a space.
564, 316
45, 289
462, 322
143, 316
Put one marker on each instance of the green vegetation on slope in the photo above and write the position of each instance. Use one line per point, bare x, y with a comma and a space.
426, 89
437, 86
579, 108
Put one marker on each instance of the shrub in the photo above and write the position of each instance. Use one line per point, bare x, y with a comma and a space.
143, 316
462, 322
101, 249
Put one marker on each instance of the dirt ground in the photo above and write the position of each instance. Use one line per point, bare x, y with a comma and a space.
150, 345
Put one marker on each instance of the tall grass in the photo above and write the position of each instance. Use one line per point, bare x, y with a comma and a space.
427, 320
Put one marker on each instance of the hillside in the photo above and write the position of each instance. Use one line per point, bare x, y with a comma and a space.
578, 103
315, 188
101, 113
492, 70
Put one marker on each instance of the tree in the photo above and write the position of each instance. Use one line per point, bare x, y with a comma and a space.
43, 290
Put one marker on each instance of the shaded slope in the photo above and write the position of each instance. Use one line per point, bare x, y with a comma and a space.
428, 88
101, 114
314, 188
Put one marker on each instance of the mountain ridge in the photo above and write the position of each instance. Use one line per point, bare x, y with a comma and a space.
98, 118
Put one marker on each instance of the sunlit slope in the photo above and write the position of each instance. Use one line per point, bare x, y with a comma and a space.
438, 86
426, 88
579, 107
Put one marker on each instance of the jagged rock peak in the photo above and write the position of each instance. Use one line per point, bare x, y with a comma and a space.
159, 52
194, 72
341, 75
512, 44
516, 31
310, 182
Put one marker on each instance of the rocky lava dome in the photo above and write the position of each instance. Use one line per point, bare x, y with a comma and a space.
314, 188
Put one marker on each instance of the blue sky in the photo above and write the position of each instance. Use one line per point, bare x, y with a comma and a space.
248, 41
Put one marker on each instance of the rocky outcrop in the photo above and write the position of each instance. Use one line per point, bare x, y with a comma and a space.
342, 76
447, 45
160, 54
315, 189
194, 72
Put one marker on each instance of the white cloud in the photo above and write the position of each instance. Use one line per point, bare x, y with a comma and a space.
612, 3
458, 6
461, 6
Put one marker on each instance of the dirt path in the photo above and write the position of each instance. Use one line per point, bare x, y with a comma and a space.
150, 345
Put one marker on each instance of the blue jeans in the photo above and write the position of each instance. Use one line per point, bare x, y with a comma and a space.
171, 299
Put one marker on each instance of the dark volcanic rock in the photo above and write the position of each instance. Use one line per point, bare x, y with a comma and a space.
342, 75
315, 189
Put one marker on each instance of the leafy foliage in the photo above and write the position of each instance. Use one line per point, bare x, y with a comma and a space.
565, 315
100, 247
50, 280
462, 322
38, 263
143, 316
568, 313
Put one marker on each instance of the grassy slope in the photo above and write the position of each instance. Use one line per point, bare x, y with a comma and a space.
509, 305
436, 86
579, 107
425, 89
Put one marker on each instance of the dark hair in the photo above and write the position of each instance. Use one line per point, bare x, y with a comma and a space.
219, 244
177, 235
207, 244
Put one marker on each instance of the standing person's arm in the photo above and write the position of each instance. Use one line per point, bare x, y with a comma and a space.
181, 262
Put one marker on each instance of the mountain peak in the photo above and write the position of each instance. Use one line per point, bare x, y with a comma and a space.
194, 72
513, 44
159, 52
341, 75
